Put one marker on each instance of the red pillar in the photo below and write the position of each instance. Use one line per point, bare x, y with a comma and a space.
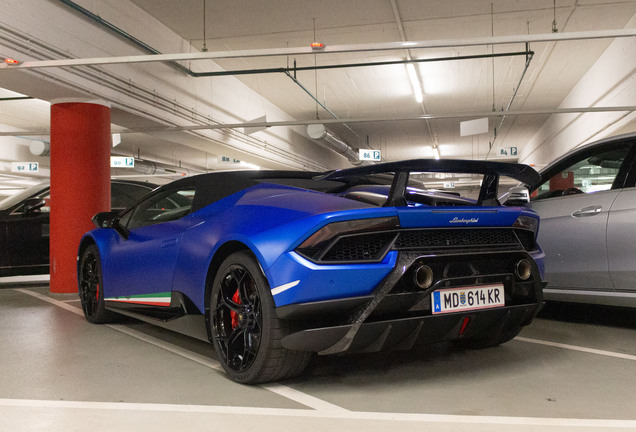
80, 182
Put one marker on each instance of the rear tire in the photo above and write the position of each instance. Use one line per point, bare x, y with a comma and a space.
91, 291
245, 331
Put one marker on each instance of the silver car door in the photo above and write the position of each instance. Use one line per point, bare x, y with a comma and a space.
574, 202
621, 241
572, 235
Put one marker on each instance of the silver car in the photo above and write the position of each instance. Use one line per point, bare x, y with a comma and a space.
587, 204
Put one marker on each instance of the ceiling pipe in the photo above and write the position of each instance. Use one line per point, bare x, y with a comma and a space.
274, 52
319, 133
460, 115
110, 82
15, 98
514, 95
146, 167
288, 70
113, 28
97, 19
323, 106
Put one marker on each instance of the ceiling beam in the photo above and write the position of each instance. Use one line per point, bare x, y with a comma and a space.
267, 124
386, 46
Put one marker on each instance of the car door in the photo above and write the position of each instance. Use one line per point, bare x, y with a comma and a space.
621, 236
141, 266
27, 237
574, 202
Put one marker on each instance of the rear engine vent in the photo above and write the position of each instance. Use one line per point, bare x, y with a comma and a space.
456, 238
526, 238
367, 247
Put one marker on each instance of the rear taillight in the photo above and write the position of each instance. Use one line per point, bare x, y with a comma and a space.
318, 243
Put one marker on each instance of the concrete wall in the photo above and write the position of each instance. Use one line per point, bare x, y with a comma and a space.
610, 82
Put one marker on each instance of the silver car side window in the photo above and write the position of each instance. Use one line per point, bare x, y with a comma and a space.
588, 175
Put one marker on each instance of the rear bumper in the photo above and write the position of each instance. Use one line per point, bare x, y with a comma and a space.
403, 334
397, 314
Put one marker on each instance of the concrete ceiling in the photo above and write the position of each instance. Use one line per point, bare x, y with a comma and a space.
381, 92
385, 91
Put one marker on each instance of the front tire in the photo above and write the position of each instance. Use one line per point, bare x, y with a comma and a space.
91, 291
245, 331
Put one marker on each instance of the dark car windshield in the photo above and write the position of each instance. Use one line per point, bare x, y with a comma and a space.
11, 201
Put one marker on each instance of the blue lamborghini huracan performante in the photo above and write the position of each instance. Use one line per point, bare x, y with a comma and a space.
274, 266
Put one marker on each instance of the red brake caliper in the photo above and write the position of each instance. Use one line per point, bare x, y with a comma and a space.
235, 319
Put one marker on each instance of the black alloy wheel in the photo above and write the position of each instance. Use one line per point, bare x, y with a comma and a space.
246, 333
238, 318
90, 287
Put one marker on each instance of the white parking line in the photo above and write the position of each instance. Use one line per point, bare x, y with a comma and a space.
287, 392
577, 348
31, 279
320, 408
347, 415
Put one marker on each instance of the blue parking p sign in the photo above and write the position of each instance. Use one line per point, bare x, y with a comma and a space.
370, 155
122, 162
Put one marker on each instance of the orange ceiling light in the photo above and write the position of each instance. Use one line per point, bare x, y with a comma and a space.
11, 61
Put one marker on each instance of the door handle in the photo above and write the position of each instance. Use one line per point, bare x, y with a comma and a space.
588, 211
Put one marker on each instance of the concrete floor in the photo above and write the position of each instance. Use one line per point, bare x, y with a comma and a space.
574, 368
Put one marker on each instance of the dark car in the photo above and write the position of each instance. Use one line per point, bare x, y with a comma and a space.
24, 225
271, 267
587, 203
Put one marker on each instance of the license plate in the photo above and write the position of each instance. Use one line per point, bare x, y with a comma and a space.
468, 298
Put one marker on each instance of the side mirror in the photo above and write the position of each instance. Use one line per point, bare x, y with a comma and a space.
32, 205
110, 220
105, 219
518, 196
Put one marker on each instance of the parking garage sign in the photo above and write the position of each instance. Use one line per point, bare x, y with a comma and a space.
25, 167
370, 155
122, 162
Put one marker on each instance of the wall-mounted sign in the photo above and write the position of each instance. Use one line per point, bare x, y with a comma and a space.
25, 167
228, 160
449, 185
473, 127
370, 155
508, 151
251, 130
122, 162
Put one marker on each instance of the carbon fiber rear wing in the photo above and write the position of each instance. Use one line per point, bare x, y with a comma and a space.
491, 172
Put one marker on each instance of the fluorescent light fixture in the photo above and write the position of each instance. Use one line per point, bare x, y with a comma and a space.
415, 82
249, 165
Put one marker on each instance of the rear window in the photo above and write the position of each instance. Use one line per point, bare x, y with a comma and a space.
124, 195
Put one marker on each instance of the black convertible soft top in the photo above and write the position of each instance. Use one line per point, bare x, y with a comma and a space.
218, 185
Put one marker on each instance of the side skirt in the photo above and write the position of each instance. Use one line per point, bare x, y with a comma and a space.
189, 325
180, 316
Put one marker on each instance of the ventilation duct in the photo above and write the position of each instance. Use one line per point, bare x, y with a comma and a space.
150, 168
40, 148
322, 136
